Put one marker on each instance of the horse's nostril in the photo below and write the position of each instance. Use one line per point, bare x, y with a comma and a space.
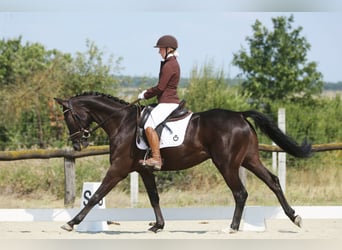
85, 143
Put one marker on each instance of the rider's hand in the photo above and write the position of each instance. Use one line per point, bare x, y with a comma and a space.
141, 95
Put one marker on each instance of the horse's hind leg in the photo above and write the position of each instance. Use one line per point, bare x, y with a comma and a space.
240, 194
272, 181
230, 173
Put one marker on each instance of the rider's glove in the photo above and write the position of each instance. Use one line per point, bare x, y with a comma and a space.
141, 95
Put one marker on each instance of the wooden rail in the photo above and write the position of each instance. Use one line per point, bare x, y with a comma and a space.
52, 153
315, 148
70, 156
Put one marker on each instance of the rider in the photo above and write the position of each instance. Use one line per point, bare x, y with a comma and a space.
166, 92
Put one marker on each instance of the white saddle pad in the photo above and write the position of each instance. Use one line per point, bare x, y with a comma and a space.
169, 138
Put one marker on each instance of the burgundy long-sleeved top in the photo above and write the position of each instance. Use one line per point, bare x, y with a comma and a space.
166, 89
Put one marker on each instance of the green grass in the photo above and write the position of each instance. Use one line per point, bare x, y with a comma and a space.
40, 184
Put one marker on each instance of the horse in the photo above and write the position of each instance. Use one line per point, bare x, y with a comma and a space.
226, 137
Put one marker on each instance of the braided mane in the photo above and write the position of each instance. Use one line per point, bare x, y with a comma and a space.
94, 93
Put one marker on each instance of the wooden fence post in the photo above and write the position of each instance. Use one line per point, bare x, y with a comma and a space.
70, 181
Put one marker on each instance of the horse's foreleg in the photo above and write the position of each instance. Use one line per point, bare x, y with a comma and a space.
150, 185
107, 184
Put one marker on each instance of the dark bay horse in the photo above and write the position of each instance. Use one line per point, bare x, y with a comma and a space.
227, 137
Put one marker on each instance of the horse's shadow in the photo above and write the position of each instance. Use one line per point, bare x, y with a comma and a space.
188, 231
118, 232
114, 232
287, 231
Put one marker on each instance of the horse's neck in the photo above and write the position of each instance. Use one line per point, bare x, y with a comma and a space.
105, 110
115, 113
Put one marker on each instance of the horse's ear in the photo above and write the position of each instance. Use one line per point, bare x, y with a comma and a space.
62, 102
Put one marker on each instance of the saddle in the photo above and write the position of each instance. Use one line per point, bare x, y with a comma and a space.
179, 113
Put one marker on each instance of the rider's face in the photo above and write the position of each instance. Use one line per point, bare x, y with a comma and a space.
162, 52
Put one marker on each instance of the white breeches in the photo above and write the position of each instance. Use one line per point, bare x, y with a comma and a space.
159, 114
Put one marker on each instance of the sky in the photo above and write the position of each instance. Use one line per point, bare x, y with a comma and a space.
207, 31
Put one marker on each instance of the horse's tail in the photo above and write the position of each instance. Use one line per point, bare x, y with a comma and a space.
268, 127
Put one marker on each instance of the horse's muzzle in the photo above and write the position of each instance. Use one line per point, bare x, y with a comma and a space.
84, 143
76, 146
79, 144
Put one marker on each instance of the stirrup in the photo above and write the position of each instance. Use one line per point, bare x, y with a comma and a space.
156, 167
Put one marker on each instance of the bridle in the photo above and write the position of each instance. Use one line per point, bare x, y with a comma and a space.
86, 132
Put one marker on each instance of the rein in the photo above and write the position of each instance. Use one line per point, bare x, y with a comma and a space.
87, 132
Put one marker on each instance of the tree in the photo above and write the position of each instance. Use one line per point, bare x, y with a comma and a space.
31, 76
276, 67
210, 89
89, 72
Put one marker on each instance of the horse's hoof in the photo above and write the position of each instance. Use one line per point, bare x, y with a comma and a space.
155, 228
229, 230
298, 221
67, 227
